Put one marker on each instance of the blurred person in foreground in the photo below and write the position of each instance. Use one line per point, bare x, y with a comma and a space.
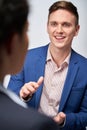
14, 114
63, 94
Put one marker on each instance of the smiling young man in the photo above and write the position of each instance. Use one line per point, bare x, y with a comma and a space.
63, 94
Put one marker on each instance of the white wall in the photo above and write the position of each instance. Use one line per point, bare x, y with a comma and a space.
38, 20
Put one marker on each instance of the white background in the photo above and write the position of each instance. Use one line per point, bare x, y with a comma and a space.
38, 21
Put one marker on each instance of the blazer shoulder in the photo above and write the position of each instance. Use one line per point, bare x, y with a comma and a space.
79, 57
32, 53
38, 49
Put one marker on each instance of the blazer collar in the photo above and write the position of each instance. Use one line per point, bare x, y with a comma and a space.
72, 71
40, 67
12, 96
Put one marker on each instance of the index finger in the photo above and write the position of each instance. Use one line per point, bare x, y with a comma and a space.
40, 80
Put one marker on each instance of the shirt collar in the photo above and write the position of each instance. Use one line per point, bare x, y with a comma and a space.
49, 57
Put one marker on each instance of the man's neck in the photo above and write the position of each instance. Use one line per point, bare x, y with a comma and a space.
59, 55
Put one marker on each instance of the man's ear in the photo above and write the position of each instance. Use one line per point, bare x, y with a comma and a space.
77, 30
11, 42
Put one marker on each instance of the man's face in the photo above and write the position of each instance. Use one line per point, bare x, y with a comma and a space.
62, 28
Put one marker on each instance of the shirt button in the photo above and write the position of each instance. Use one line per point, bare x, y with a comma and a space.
50, 103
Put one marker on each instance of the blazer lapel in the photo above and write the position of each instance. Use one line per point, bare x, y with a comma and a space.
40, 72
72, 71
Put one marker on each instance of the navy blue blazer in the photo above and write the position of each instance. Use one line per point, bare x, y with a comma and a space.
74, 96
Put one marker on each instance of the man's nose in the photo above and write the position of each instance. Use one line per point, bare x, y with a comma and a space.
59, 29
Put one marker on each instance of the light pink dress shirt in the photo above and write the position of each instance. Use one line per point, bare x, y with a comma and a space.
54, 80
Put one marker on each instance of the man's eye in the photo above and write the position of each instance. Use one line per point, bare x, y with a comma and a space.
53, 24
66, 25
